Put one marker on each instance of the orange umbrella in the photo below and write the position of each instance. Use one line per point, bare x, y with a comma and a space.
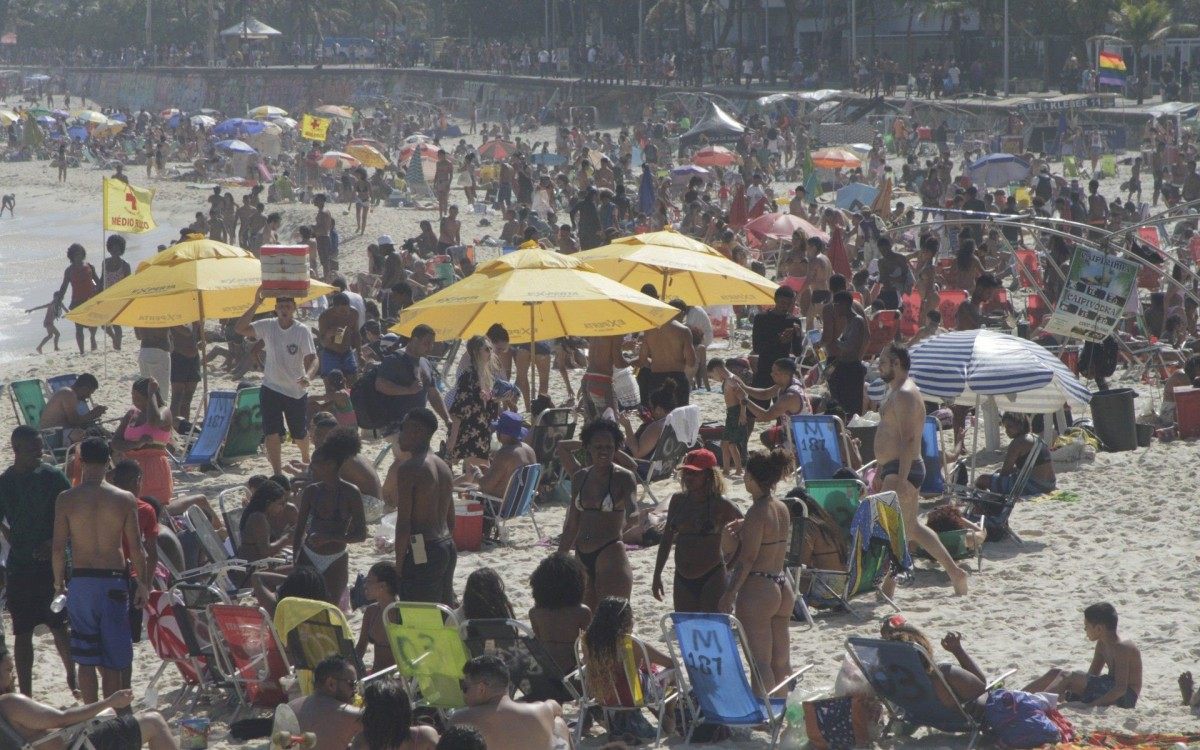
835, 158
781, 226
497, 150
426, 150
714, 156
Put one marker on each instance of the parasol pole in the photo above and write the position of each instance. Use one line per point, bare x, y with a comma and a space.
532, 357
975, 441
203, 362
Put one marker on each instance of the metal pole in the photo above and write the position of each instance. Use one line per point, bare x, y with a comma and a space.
767, 28
1006, 49
212, 34
853, 35
641, 30
546, 19
149, 33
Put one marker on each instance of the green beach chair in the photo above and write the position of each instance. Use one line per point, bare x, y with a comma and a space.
1108, 165
430, 653
1070, 166
28, 401
837, 497
245, 431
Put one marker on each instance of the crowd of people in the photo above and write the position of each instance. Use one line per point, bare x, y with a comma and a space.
329, 383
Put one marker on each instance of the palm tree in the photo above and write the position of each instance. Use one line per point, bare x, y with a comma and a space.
952, 12
1141, 23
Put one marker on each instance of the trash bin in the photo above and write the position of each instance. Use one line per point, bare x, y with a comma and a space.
1114, 419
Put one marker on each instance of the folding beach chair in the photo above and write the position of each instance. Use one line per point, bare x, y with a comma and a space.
996, 508
878, 546
551, 426
717, 684
949, 302
231, 503
245, 428
310, 631
175, 634
1108, 165
1070, 166
679, 434
931, 454
837, 497
430, 653
58, 382
442, 364
534, 672
624, 692
517, 501
818, 445
882, 329
220, 560
74, 737
249, 655
218, 417
899, 674
1029, 270
28, 398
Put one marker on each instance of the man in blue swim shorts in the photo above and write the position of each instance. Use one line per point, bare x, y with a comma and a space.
94, 518
1120, 686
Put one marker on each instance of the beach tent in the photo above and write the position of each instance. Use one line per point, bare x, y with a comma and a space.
719, 127
251, 29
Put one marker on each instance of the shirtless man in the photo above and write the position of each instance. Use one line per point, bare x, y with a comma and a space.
95, 518
604, 356
846, 352
337, 332
244, 214
450, 230
329, 712
67, 409
504, 723
898, 454
895, 275
504, 190
33, 720
817, 287
419, 487
666, 353
514, 453
927, 273
322, 226
1120, 687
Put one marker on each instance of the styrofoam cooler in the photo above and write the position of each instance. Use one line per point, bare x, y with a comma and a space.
284, 270
468, 526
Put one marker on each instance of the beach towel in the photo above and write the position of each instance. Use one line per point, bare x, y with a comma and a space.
1149, 741
837, 253
686, 422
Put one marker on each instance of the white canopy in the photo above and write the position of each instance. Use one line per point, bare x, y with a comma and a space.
251, 29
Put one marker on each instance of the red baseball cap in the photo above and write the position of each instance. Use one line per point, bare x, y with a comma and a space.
700, 459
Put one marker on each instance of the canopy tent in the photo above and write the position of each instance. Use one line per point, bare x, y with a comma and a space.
251, 29
719, 127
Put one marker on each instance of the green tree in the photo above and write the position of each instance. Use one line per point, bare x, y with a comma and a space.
1141, 23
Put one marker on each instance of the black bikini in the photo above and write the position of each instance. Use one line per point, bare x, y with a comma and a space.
695, 586
606, 506
779, 578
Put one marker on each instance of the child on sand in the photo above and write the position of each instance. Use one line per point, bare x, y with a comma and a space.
335, 400
1120, 686
54, 310
737, 432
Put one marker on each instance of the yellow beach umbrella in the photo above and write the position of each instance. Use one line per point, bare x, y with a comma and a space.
332, 110
91, 116
665, 238
8, 118
266, 110
698, 277
536, 295
368, 155
199, 279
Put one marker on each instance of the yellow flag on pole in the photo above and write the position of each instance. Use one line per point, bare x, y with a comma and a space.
127, 208
314, 128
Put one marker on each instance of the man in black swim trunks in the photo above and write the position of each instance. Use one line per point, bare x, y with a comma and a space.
420, 489
33, 721
898, 453
28, 490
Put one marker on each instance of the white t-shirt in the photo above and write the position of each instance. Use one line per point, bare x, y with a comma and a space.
286, 349
698, 319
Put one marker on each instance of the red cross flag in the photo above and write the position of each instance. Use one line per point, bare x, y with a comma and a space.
314, 128
127, 208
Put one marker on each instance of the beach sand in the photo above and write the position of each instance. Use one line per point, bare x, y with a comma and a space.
1128, 538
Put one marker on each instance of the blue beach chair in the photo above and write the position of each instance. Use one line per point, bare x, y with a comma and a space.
818, 447
931, 454
718, 685
898, 674
218, 416
517, 501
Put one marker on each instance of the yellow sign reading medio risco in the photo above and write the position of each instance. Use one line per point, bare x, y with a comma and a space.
314, 128
127, 208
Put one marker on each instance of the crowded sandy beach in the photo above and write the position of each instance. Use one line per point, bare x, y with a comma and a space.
868, 424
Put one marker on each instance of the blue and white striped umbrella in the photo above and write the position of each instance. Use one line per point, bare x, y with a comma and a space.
964, 367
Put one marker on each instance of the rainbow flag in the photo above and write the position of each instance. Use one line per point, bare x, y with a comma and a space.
1111, 68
